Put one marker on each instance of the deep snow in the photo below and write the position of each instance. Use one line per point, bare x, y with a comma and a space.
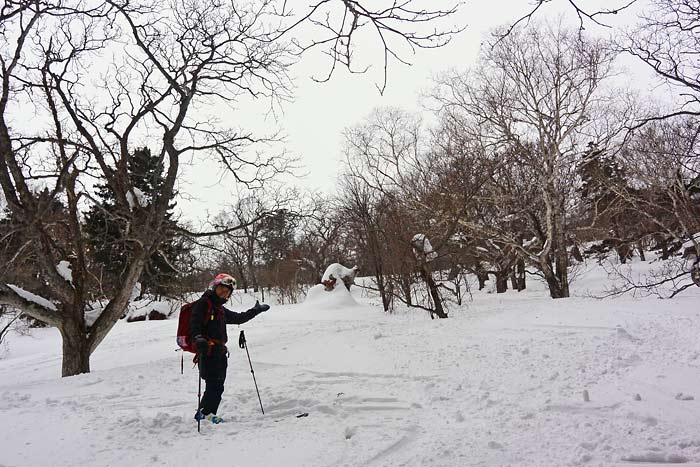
501, 382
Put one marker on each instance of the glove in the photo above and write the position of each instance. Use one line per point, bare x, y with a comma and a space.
201, 344
258, 308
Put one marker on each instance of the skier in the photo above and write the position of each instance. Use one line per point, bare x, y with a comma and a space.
210, 340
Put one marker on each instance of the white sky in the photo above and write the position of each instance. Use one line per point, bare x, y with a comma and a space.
314, 122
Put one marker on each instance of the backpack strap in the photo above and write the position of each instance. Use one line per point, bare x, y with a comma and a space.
210, 309
207, 316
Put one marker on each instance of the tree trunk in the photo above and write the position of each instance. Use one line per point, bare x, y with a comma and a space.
454, 272
406, 288
640, 249
244, 278
562, 269
501, 281
695, 273
556, 274
554, 286
434, 293
249, 263
373, 244
520, 275
557, 281
555, 244
75, 322
576, 254
382, 287
481, 276
379, 272
623, 253
76, 348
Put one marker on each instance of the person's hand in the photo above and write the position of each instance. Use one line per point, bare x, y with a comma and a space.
259, 308
201, 344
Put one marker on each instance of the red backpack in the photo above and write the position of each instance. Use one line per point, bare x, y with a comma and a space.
184, 340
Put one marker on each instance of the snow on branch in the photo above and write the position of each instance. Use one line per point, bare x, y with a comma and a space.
63, 268
31, 304
30, 297
135, 198
423, 247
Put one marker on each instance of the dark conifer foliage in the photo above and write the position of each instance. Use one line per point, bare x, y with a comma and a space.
105, 229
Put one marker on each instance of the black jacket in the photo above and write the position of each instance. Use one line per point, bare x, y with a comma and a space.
215, 326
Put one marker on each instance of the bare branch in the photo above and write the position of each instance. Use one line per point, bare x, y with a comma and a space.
584, 15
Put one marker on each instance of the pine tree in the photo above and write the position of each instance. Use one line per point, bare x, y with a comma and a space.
105, 229
599, 172
277, 236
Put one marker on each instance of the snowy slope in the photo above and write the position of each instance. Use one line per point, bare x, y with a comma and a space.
499, 383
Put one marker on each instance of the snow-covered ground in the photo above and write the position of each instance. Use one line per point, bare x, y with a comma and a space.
502, 382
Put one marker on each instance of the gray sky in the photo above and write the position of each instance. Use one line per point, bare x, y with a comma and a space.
313, 123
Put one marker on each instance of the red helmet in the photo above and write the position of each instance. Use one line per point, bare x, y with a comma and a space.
225, 280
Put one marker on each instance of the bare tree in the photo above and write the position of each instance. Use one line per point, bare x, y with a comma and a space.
360, 209
663, 163
420, 189
169, 63
665, 40
250, 211
536, 96
386, 155
322, 239
494, 219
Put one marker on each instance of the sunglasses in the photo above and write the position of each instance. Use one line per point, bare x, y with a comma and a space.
225, 281
228, 281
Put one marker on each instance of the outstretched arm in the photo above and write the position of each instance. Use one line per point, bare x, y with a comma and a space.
239, 318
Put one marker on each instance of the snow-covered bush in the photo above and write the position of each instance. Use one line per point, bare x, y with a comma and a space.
337, 271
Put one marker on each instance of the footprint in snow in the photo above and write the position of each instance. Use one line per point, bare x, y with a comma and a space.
350, 431
623, 334
684, 397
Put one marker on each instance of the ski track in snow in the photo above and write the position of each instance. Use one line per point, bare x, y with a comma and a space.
500, 383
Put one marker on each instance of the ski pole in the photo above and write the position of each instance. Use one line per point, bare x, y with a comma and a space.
199, 398
243, 344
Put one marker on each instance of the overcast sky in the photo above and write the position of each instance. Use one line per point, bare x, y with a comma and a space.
313, 123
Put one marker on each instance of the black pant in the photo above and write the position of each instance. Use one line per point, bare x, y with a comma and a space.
212, 369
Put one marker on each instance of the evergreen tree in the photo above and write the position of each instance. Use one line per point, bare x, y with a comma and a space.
277, 235
599, 172
106, 228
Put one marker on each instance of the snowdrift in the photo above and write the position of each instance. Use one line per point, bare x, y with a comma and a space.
337, 298
514, 379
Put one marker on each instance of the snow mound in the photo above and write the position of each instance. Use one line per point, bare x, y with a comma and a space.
339, 297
